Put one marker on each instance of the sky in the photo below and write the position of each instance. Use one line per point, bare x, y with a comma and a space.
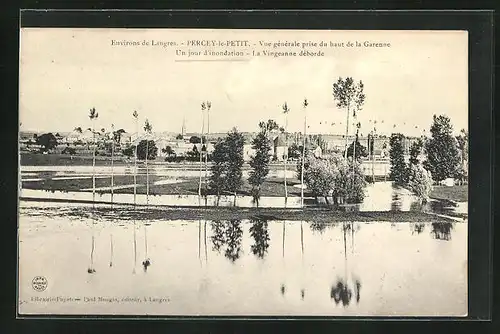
65, 72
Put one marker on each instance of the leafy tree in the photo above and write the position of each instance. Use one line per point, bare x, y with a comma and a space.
195, 140
168, 150
47, 141
117, 135
396, 154
349, 96
349, 181
294, 151
234, 144
128, 151
270, 126
78, 129
259, 163
419, 181
218, 169
361, 150
443, 157
319, 176
152, 149
415, 150
463, 146
179, 137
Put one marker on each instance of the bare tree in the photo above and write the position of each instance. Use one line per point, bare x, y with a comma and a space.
304, 104
147, 128
286, 110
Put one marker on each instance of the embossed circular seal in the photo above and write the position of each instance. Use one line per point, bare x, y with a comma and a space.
39, 283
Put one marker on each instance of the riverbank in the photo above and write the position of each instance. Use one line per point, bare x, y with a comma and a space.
320, 215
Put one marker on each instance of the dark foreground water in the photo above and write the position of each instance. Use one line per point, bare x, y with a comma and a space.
240, 267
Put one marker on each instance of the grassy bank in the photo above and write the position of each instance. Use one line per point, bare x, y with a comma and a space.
188, 186
454, 193
317, 215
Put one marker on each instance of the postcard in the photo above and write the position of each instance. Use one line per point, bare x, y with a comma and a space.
211, 172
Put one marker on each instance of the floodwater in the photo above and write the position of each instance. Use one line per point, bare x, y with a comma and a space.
249, 267
380, 196
179, 170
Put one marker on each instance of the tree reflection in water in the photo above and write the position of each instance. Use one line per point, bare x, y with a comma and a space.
217, 235
341, 292
417, 228
320, 226
442, 231
234, 234
259, 231
229, 235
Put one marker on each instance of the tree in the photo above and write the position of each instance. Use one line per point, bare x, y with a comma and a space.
269, 126
442, 152
419, 181
135, 114
463, 145
234, 144
357, 149
168, 150
348, 95
78, 129
202, 133
396, 154
303, 157
195, 140
129, 151
349, 181
117, 135
415, 150
147, 129
47, 141
259, 163
294, 151
319, 177
150, 146
93, 116
286, 110
179, 137
218, 169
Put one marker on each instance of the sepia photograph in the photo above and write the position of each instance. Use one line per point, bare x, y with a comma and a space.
218, 172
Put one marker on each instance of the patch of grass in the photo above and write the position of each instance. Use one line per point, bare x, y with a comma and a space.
273, 187
317, 215
454, 193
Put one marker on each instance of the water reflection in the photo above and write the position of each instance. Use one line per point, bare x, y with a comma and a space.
320, 227
228, 235
341, 292
260, 234
417, 228
341, 262
442, 231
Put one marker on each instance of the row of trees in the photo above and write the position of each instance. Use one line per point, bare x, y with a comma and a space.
446, 156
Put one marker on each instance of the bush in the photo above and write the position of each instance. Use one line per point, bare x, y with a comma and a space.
419, 181
336, 177
350, 181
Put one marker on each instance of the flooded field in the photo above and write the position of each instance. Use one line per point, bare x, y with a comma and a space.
380, 196
248, 267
